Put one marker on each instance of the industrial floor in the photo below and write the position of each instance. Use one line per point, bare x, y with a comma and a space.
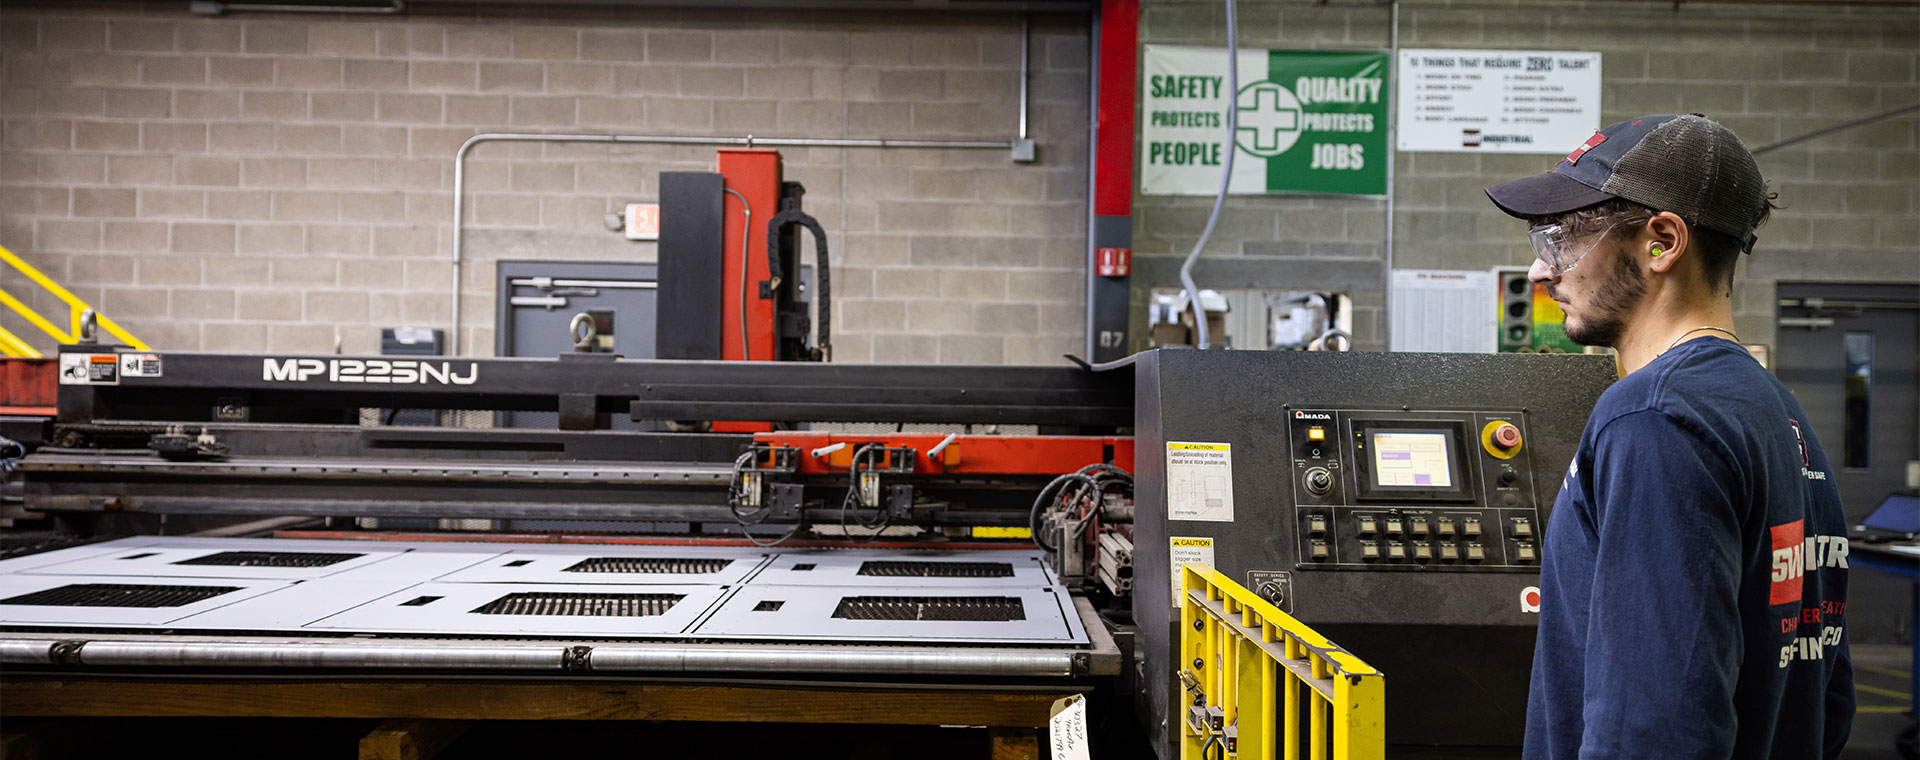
1882, 689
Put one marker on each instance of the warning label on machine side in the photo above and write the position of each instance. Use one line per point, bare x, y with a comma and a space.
1183, 549
1200, 481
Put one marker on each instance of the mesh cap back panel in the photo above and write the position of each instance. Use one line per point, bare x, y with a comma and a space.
1696, 168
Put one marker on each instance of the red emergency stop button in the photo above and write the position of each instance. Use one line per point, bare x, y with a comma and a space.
1506, 435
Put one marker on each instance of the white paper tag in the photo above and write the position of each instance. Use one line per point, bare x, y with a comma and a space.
1068, 728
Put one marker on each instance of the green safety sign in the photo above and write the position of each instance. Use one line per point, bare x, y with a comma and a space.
1310, 121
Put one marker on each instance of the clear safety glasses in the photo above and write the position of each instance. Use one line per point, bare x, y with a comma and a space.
1558, 248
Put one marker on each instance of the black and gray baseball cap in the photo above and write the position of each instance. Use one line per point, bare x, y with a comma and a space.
1687, 164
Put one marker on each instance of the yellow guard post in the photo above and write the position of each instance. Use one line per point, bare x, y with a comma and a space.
1259, 684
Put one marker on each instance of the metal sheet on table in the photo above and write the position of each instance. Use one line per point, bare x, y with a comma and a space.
844, 567
806, 613
455, 611
577, 565
186, 558
13, 586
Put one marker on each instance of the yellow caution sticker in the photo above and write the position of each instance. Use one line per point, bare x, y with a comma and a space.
1184, 549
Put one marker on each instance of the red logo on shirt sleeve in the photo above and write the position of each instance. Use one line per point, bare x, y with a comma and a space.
1789, 562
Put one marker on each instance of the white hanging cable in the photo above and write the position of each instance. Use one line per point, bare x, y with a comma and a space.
1226, 176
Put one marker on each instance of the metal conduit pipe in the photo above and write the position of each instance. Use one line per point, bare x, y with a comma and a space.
663, 658
834, 660
220, 654
26, 652
460, 165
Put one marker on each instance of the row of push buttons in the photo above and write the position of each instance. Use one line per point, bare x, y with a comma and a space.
1468, 527
1417, 526
1319, 551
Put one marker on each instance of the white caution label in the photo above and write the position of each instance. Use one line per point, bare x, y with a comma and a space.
1184, 549
1200, 481
139, 365
89, 369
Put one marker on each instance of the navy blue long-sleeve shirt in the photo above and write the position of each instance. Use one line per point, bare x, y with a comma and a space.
1694, 575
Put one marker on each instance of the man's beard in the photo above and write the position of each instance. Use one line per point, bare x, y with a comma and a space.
1615, 296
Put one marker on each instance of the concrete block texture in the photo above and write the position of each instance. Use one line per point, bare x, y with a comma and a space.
265, 182
1769, 72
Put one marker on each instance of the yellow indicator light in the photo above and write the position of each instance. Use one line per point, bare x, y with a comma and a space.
1316, 434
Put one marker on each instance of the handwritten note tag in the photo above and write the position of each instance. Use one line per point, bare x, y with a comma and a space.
1068, 727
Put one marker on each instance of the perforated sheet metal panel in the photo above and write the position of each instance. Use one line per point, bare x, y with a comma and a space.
529, 609
977, 609
623, 565
980, 614
881, 568
117, 595
270, 559
162, 557
88, 601
842, 567
573, 604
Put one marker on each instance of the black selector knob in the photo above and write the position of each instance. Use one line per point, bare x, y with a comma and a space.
1507, 476
1319, 481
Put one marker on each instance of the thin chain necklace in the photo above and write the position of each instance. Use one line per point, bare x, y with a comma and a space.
1676, 341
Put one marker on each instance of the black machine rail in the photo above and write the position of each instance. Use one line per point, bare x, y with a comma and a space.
199, 387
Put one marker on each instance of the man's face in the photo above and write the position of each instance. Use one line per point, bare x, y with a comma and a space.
1599, 293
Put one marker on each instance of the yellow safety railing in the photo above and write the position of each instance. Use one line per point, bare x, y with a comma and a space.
1260, 684
77, 309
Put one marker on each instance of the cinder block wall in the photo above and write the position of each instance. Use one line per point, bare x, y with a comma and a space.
264, 182
1770, 72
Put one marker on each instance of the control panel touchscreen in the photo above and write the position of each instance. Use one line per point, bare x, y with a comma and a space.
1411, 459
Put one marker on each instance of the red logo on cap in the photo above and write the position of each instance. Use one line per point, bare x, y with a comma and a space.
1592, 142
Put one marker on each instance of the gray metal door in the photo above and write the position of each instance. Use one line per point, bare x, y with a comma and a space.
538, 301
1847, 351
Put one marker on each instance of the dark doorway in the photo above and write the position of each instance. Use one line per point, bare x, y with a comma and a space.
1847, 353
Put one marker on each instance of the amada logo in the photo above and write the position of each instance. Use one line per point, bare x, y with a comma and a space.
1530, 599
1312, 416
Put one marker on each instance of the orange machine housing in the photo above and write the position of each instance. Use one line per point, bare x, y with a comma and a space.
966, 455
755, 175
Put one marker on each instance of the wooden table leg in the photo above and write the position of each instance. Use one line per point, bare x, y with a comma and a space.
411, 739
1014, 743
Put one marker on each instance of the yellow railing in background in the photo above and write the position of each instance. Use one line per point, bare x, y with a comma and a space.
1246, 669
12, 345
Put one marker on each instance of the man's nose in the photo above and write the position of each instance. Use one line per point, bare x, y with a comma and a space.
1540, 272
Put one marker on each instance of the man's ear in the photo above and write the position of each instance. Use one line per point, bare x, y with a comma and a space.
1666, 240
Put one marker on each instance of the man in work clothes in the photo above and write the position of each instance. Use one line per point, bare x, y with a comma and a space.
1694, 577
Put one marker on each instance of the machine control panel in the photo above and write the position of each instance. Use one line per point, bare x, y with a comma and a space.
1413, 490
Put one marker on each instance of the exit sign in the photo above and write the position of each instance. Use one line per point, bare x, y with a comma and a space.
643, 221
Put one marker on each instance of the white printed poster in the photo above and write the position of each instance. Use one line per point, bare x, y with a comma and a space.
1200, 481
1444, 310
1497, 101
